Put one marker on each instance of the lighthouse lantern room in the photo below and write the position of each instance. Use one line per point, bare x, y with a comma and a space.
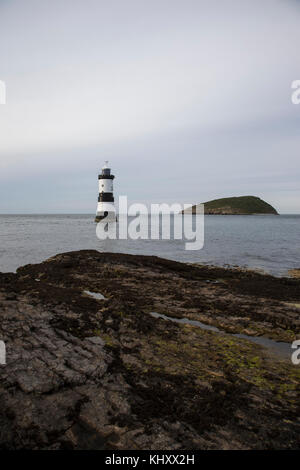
106, 207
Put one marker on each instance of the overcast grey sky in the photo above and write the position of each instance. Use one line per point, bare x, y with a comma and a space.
189, 100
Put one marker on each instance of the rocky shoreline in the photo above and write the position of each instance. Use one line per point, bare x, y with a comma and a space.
94, 373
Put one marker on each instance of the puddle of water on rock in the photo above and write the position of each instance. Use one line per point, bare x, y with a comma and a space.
95, 295
281, 348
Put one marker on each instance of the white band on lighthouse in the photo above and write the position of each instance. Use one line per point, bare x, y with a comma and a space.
106, 206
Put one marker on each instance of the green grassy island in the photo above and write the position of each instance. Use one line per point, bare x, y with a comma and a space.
242, 205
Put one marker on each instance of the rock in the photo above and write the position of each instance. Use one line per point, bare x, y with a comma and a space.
84, 374
294, 273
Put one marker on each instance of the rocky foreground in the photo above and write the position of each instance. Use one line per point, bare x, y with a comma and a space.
86, 373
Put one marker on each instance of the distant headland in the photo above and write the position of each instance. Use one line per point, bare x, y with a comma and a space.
242, 205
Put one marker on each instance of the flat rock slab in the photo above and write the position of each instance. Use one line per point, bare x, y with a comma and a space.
84, 373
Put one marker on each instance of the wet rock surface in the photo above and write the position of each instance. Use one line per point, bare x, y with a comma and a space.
88, 373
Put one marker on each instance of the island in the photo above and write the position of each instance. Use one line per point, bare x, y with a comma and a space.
118, 351
242, 205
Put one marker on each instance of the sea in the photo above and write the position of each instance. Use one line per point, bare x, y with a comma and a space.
264, 242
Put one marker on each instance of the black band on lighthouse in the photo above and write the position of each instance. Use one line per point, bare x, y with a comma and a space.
106, 197
105, 177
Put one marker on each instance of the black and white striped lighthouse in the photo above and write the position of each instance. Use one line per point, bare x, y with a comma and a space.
106, 207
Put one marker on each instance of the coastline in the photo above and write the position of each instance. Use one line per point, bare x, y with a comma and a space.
104, 373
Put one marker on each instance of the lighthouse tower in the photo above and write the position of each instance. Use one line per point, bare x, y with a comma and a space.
106, 208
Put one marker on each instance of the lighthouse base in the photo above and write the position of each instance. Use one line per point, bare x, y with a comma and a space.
107, 216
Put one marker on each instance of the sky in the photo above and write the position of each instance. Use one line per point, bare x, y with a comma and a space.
189, 100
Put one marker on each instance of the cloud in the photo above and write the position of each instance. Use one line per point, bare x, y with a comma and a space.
90, 77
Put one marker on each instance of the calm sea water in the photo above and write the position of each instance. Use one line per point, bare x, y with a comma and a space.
270, 243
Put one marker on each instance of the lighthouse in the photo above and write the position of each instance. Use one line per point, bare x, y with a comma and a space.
106, 208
